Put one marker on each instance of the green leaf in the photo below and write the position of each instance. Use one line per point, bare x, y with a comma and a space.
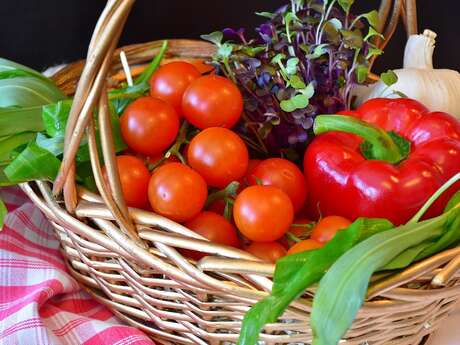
343, 288
291, 66
337, 24
372, 32
346, 5
372, 18
309, 91
288, 106
8, 66
266, 15
28, 92
225, 50
121, 98
361, 73
295, 273
3, 212
403, 144
278, 58
34, 163
319, 50
389, 78
296, 82
16, 120
215, 37
54, 145
145, 76
373, 52
55, 117
14, 73
300, 101
8, 144
352, 39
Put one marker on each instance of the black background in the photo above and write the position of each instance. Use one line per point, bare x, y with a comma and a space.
41, 33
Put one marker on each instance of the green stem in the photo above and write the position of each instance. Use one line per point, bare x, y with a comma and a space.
383, 147
292, 237
434, 197
228, 191
181, 139
148, 72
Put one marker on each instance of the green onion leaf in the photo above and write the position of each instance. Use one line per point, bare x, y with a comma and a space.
34, 163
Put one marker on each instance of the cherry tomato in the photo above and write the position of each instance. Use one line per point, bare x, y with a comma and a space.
305, 246
149, 125
263, 213
267, 251
245, 181
285, 175
170, 82
217, 206
212, 101
215, 228
134, 179
219, 155
327, 227
177, 192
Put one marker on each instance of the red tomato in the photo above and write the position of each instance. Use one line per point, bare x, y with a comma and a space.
285, 175
327, 227
219, 155
217, 206
245, 181
263, 213
267, 251
212, 101
170, 82
134, 178
149, 125
305, 246
215, 228
177, 192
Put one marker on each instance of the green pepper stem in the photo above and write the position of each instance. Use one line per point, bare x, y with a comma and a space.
383, 147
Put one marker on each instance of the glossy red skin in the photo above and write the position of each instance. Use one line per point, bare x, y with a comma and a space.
219, 155
171, 80
212, 101
263, 213
327, 228
344, 183
215, 228
134, 179
267, 251
178, 192
149, 126
283, 174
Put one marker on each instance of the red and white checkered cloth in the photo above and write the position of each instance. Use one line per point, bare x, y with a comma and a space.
40, 303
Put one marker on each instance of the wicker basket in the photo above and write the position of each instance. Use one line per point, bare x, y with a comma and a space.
127, 259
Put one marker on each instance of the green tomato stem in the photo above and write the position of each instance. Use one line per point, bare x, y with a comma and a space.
383, 146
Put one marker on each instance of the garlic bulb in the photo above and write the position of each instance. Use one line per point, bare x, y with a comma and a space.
437, 89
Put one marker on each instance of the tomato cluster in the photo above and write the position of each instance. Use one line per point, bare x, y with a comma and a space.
183, 154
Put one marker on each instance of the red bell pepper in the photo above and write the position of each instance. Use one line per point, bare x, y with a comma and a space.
356, 168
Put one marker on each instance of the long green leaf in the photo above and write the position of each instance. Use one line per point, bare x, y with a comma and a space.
54, 145
9, 144
3, 212
54, 117
34, 163
28, 92
16, 120
343, 289
8, 66
295, 273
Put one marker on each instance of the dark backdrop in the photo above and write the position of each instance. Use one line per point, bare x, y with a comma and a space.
41, 33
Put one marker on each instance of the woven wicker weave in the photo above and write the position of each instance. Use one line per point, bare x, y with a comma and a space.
127, 259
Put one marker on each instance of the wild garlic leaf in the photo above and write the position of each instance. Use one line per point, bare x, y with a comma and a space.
8, 66
54, 145
55, 117
215, 37
3, 212
8, 144
389, 78
14, 120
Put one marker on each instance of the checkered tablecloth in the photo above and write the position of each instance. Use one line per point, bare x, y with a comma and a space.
40, 303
